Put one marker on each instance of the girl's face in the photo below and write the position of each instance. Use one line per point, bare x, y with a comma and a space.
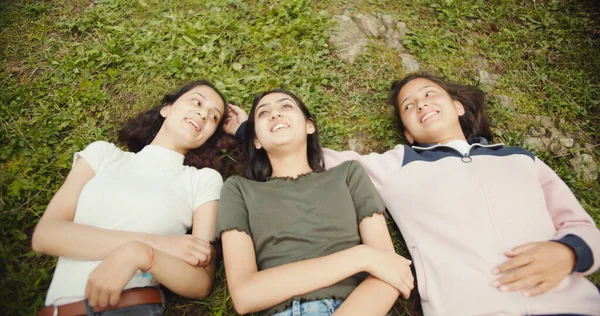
279, 122
428, 112
193, 118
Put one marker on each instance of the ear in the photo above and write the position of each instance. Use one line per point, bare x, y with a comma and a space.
257, 143
460, 109
164, 112
310, 127
409, 137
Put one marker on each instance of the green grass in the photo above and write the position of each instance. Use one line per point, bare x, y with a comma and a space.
72, 71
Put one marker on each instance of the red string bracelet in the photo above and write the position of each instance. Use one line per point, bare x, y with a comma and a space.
151, 260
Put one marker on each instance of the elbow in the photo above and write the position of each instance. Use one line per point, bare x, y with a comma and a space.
37, 240
240, 303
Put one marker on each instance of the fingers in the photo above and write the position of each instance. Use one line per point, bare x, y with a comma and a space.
403, 288
521, 249
524, 281
515, 275
513, 263
114, 298
234, 108
103, 297
539, 289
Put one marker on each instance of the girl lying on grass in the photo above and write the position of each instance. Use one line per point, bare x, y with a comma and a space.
296, 237
491, 229
120, 213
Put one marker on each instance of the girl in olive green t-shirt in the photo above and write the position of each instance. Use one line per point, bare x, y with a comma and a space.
296, 238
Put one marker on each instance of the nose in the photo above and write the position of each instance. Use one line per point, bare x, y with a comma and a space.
275, 114
421, 105
202, 114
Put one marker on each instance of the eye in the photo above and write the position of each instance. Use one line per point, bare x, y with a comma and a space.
196, 102
287, 106
408, 107
262, 113
213, 117
428, 93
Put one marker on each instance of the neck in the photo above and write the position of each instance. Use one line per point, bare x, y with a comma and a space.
449, 139
289, 164
162, 140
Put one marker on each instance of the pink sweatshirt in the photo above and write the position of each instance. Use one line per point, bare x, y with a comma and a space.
459, 214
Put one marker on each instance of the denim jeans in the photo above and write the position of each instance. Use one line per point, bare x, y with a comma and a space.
324, 307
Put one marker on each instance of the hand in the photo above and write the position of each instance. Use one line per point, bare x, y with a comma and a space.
189, 248
235, 117
107, 281
535, 268
393, 269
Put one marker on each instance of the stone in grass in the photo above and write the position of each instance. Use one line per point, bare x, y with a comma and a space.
585, 167
505, 101
370, 24
535, 143
357, 143
348, 38
409, 63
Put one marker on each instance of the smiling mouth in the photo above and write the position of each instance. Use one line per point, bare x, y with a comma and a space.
430, 114
194, 123
279, 126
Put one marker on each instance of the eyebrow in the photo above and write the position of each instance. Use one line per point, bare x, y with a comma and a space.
425, 87
278, 101
203, 97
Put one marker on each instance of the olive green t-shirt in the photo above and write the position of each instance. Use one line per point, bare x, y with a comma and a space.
290, 220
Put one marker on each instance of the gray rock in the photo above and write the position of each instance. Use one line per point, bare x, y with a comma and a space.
534, 143
349, 39
555, 146
487, 78
356, 145
481, 62
505, 101
546, 121
585, 166
402, 29
393, 40
409, 63
388, 20
566, 142
369, 24
536, 131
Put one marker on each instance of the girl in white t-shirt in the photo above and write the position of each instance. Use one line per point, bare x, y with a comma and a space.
119, 221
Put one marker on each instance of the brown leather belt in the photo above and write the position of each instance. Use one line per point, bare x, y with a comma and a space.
132, 297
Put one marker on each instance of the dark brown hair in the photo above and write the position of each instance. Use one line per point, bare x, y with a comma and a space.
259, 167
219, 152
474, 123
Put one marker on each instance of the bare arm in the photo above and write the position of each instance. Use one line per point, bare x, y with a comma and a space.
54, 233
253, 290
180, 277
107, 281
373, 296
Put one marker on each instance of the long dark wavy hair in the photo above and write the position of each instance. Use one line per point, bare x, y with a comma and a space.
258, 166
219, 152
474, 123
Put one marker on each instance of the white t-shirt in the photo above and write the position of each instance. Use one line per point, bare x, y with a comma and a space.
148, 192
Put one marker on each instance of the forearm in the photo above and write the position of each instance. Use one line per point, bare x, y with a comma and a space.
267, 288
371, 297
181, 277
59, 237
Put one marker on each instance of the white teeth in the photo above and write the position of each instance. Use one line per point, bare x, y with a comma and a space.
194, 123
428, 116
278, 126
